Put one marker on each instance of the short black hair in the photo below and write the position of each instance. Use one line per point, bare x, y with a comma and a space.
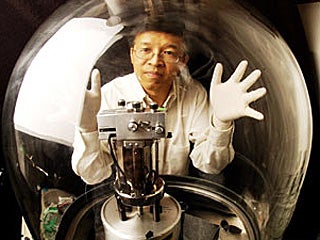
164, 23
159, 23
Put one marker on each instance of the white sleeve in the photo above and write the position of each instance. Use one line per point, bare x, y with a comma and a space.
214, 152
213, 149
90, 160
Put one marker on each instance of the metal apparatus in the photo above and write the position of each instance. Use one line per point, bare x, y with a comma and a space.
133, 133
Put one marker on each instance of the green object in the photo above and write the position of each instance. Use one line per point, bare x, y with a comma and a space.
162, 109
50, 221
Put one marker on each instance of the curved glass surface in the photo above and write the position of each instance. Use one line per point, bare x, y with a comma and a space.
47, 86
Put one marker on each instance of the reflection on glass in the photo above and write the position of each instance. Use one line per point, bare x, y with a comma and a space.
260, 187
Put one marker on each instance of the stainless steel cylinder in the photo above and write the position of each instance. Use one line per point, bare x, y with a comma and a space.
138, 226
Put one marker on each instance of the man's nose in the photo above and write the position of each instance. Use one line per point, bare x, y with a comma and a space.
156, 59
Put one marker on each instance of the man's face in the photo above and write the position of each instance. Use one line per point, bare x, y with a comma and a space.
156, 58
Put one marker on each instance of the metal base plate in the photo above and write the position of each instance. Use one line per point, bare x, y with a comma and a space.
142, 226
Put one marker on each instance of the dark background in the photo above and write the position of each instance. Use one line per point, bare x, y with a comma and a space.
20, 19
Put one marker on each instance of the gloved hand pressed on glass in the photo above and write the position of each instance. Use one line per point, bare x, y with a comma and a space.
230, 100
91, 105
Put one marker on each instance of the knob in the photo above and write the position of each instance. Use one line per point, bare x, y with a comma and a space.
153, 106
133, 126
159, 129
136, 106
121, 103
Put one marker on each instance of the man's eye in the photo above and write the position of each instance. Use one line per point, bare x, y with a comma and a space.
169, 53
145, 50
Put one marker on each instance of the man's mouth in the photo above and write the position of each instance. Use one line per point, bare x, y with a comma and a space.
153, 74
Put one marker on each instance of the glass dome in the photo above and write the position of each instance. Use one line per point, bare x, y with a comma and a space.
258, 190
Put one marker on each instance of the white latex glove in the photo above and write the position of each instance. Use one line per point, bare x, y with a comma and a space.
92, 102
230, 100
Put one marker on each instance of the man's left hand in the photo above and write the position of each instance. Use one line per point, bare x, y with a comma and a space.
230, 100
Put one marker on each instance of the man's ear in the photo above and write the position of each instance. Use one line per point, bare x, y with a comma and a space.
131, 54
185, 59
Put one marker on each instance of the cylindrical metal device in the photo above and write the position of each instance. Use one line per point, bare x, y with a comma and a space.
139, 209
141, 227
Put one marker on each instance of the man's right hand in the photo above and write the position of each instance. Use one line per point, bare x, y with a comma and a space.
91, 105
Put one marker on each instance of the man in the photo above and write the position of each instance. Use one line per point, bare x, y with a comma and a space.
159, 58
